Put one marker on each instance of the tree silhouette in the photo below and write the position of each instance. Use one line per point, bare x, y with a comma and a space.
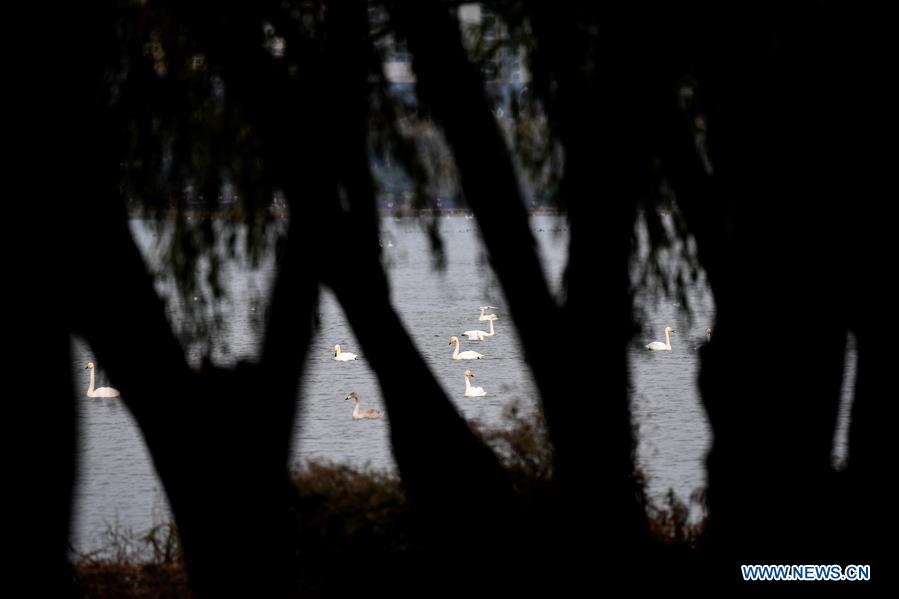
759, 132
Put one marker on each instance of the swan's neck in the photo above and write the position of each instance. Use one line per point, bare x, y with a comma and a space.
90, 389
667, 340
357, 411
456, 351
491, 327
467, 384
338, 353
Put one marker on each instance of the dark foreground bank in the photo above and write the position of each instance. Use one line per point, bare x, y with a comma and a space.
356, 527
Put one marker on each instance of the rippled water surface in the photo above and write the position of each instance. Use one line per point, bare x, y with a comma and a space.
118, 486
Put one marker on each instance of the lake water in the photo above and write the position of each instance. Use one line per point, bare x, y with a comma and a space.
118, 487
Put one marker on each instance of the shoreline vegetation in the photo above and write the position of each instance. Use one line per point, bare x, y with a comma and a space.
350, 515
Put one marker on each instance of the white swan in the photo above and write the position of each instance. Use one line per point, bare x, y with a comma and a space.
343, 356
359, 414
472, 391
476, 335
658, 345
102, 391
466, 355
484, 316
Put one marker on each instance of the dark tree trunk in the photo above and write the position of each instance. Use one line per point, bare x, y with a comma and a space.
587, 451
40, 424
869, 97
219, 439
452, 90
771, 377
40, 431
461, 495
221, 454
598, 108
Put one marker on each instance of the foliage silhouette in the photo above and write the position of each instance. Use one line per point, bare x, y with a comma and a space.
759, 132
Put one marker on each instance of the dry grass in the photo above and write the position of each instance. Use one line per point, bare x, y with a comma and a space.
149, 565
348, 515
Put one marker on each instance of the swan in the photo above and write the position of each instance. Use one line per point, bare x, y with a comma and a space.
472, 391
102, 391
343, 356
363, 414
484, 316
466, 355
476, 335
658, 345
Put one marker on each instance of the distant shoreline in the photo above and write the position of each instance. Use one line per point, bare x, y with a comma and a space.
281, 213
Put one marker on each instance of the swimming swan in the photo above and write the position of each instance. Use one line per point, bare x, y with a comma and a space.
466, 355
658, 345
343, 356
488, 316
472, 391
363, 415
102, 391
477, 335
